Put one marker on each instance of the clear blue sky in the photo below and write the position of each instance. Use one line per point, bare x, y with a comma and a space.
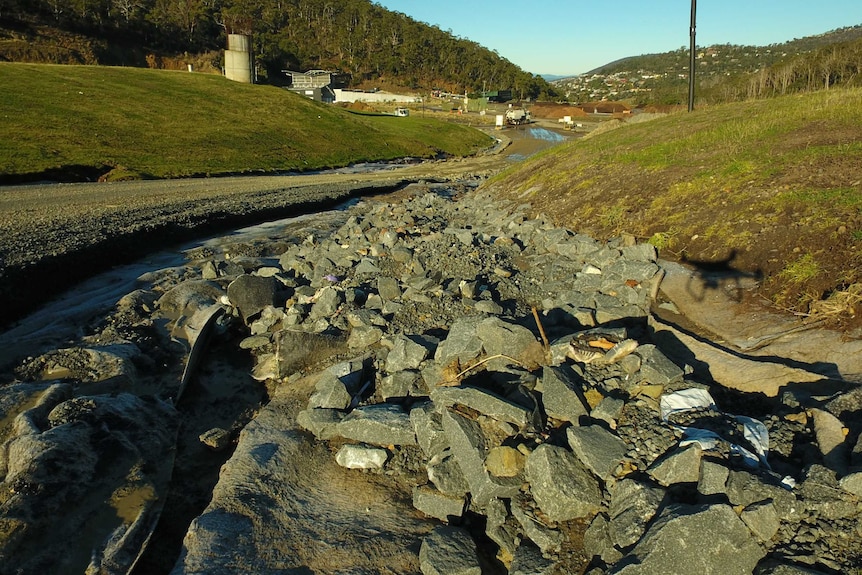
570, 37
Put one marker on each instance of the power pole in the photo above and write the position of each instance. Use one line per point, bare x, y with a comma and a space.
691, 55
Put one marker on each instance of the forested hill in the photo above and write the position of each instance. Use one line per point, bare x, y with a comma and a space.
355, 36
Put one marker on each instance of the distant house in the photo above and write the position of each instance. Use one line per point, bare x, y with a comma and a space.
317, 84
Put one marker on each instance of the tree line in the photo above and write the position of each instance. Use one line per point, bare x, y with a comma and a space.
354, 36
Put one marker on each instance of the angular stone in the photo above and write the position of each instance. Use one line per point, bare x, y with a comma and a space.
597, 541
434, 503
406, 353
216, 438
366, 266
483, 401
633, 505
529, 561
383, 424
428, 426
462, 343
320, 422
449, 551
831, 440
327, 302
251, 294
762, 520
656, 368
388, 288
727, 548
713, 478
361, 457
561, 485
505, 461
680, 466
545, 538
489, 307
609, 410
563, 394
337, 385
502, 337
445, 473
597, 448
363, 336
402, 384
744, 488
470, 448
852, 483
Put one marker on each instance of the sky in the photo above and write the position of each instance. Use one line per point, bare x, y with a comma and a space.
572, 37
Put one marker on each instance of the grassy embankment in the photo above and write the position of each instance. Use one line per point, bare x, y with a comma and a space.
67, 120
773, 186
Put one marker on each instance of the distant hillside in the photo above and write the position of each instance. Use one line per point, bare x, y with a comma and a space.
355, 36
723, 70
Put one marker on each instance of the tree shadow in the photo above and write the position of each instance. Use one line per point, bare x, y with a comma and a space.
718, 275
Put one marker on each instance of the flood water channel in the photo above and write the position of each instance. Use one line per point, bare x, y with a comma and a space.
64, 321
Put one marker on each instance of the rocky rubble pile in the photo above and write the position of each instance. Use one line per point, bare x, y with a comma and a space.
498, 373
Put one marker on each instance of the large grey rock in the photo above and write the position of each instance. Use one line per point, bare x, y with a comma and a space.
434, 503
744, 488
528, 560
406, 353
284, 505
597, 448
563, 394
190, 296
363, 336
633, 505
502, 337
694, 540
680, 466
656, 368
831, 440
321, 422
470, 447
251, 294
598, 542
383, 424
446, 475
561, 485
327, 302
713, 478
449, 551
461, 344
483, 401
428, 426
547, 539
762, 520
402, 384
337, 385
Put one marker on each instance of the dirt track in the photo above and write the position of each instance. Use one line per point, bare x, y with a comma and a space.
54, 235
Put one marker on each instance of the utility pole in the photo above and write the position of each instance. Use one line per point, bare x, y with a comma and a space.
691, 55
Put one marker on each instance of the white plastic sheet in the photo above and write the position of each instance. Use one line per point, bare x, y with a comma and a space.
753, 430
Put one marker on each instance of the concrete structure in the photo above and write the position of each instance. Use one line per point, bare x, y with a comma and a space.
238, 61
379, 97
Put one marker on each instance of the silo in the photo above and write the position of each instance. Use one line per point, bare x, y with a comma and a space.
237, 58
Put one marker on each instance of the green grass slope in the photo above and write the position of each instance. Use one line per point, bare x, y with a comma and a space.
149, 123
773, 186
